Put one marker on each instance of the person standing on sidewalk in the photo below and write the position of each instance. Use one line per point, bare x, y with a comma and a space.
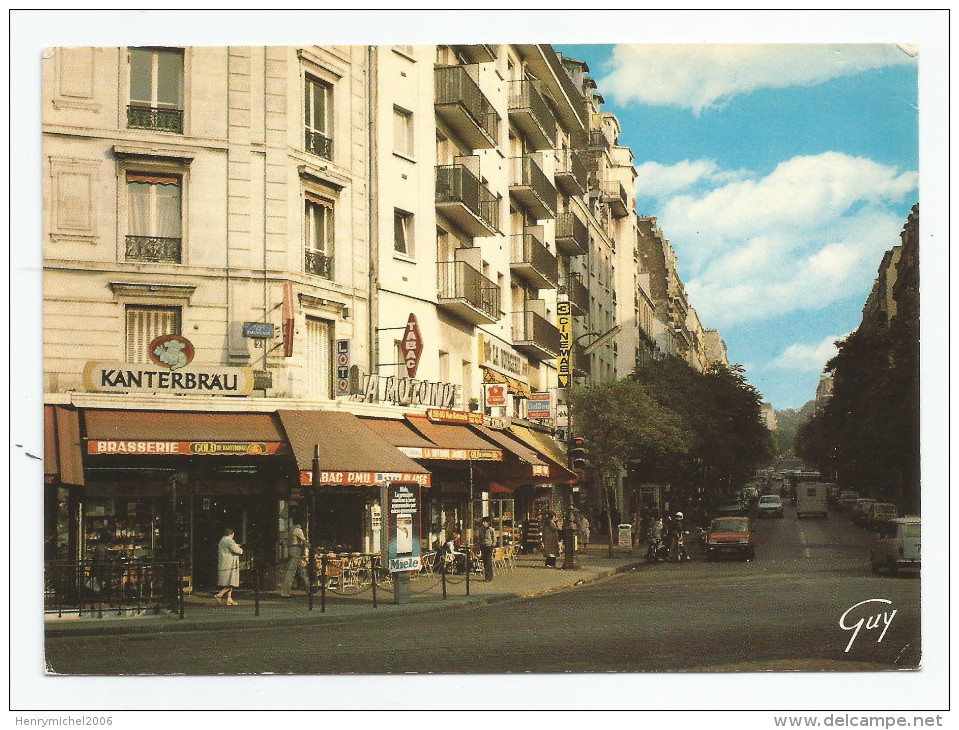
299, 548
584, 530
487, 538
228, 567
551, 540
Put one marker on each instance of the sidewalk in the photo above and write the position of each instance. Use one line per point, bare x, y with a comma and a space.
529, 578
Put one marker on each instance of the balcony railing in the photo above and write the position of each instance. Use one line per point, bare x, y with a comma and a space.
156, 118
535, 335
530, 259
156, 249
593, 139
318, 264
572, 235
462, 197
570, 172
467, 293
529, 113
319, 144
614, 195
463, 105
580, 359
578, 295
529, 185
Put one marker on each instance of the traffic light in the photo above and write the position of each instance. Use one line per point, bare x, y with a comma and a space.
579, 453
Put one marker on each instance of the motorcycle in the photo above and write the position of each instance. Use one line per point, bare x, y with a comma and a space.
658, 552
678, 552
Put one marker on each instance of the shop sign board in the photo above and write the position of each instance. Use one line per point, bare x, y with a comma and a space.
495, 394
289, 322
539, 405
362, 478
445, 415
109, 377
98, 447
407, 392
412, 346
402, 534
564, 322
343, 367
625, 536
502, 358
419, 452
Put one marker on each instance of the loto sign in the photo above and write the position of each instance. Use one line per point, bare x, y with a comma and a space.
412, 346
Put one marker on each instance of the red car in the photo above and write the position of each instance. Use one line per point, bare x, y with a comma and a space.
730, 536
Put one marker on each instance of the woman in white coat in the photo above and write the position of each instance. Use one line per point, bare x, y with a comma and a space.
228, 567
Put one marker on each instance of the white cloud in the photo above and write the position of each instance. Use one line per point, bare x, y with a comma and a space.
699, 77
807, 358
655, 180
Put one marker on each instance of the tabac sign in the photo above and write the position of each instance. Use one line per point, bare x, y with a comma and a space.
564, 322
412, 346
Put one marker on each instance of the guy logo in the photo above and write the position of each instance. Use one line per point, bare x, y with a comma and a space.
171, 351
870, 622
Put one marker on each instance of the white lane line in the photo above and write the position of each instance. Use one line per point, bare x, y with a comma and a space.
802, 539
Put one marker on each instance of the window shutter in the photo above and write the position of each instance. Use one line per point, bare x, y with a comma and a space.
144, 324
318, 200
318, 358
153, 178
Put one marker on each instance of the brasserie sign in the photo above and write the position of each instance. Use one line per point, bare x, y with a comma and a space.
108, 377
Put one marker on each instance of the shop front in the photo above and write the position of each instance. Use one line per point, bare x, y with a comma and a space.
63, 482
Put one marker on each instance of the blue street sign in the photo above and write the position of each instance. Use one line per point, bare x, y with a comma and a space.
258, 330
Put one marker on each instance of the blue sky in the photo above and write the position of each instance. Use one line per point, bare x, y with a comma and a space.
780, 174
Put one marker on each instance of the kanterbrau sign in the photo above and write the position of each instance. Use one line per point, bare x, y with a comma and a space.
107, 377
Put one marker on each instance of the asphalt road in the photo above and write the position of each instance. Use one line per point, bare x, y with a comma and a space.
780, 611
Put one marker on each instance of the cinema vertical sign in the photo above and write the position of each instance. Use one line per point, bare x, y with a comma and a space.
564, 362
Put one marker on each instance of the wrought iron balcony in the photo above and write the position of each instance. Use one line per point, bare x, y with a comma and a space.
530, 259
466, 293
319, 144
572, 235
578, 295
464, 107
570, 173
535, 335
318, 264
593, 139
159, 119
462, 198
529, 113
530, 186
155, 249
614, 195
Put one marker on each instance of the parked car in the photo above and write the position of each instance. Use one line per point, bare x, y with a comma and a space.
730, 536
880, 512
832, 493
897, 545
770, 505
750, 495
730, 508
847, 498
859, 509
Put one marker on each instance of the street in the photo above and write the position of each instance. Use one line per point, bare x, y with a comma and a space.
781, 611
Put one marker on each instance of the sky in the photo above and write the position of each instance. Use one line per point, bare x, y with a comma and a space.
780, 174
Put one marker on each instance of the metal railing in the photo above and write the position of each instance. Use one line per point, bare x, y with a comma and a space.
526, 173
456, 184
571, 233
319, 144
154, 248
121, 587
615, 194
527, 249
156, 118
569, 164
524, 96
592, 139
529, 327
318, 263
459, 280
577, 293
454, 85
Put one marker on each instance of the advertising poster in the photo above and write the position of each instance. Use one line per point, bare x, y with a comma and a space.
402, 526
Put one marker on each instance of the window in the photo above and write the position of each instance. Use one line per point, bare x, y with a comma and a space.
156, 89
318, 108
402, 132
444, 358
318, 236
319, 361
154, 221
403, 232
144, 324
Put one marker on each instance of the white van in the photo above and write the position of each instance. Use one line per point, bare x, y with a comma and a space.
897, 545
811, 499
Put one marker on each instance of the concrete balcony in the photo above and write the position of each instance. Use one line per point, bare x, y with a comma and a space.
593, 139
478, 52
465, 293
529, 113
570, 173
530, 259
578, 295
534, 335
580, 360
466, 201
531, 188
614, 195
464, 107
572, 235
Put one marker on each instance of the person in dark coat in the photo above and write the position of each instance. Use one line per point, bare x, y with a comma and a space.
550, 540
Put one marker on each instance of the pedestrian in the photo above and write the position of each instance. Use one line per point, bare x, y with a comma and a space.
228, 567
551, 540
487, 537
584, 530
299, 548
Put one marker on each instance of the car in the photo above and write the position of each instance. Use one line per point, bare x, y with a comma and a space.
880, 512
846, 498
730, 508
832, 493
770, 505
730, 536
750, 495
897, 546
859, 509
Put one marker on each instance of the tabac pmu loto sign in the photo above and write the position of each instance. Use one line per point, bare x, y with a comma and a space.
401, 529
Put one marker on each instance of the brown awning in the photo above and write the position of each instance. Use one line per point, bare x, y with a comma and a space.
397, 432
350, 451
546, 447
511, 444
51, 456
456, 438
62, 452
181, 426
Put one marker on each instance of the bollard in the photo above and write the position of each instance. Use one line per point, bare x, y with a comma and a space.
322, 584
179, 582
311, 574
443, 574
373, 577
256, 586
468, 564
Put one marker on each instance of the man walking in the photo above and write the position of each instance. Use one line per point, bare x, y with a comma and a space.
487, 538
298, 548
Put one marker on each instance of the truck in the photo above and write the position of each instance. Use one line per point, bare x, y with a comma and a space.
811, 499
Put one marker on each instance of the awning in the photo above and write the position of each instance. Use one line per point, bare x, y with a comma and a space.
351, 453
62, 456
521, 451
546, 447
513, 386
397, 432
453, 442
182, 433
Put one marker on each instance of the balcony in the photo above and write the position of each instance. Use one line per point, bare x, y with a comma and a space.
593, 139
466, 293
580, 360
478, 52
466, 201
318, 144
534, 335
529, 113
318, 264
463, 106
530, 259
572, 235
154, 249
530, 186
156, 118
614, 195
578, 294
570, 173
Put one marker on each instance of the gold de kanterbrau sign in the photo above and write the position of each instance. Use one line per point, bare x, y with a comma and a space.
564, 363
